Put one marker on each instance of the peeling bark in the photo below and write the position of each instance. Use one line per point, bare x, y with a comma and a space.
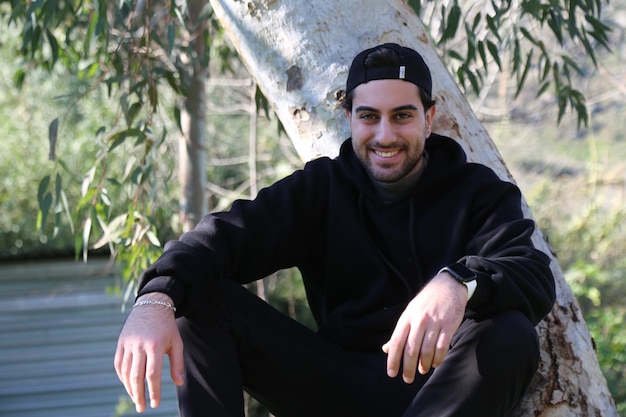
299, 53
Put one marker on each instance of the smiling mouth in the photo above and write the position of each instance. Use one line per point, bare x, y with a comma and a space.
387, 154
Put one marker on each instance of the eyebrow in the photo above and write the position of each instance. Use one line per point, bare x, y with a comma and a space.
395, 109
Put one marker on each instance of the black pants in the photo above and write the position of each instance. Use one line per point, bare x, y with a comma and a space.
238, 341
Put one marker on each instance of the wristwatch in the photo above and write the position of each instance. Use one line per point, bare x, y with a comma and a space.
464, 275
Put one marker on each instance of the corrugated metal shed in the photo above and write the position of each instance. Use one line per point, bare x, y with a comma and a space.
58, 333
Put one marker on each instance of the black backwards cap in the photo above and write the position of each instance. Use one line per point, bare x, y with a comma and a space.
411, 68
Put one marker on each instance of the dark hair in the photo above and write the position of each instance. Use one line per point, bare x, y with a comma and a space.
381, 57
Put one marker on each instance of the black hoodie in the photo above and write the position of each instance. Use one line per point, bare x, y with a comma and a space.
363, 259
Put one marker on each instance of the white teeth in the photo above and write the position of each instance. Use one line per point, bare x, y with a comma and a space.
386, 154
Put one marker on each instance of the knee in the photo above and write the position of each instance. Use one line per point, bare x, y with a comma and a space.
507, 344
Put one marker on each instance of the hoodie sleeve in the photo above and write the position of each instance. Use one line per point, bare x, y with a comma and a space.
512, 273
250, 241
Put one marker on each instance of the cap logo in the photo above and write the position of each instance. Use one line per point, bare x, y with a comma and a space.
402, 73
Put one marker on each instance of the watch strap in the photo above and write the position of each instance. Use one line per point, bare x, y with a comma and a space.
471, 288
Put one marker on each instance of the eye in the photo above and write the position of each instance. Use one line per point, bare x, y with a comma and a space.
367, 116
403, 115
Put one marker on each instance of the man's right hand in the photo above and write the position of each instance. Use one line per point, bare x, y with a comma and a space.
149, 333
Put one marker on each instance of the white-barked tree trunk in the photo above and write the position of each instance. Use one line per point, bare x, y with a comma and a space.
299, 52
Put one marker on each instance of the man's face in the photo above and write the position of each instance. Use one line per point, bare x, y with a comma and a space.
389, 128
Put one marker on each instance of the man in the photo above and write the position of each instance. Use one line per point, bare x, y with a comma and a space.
419, 270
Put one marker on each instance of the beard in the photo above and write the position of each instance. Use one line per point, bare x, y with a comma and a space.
390, 172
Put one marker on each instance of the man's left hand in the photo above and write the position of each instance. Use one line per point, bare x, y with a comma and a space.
422, 336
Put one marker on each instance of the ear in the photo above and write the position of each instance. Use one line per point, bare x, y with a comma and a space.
430, 116
348, 113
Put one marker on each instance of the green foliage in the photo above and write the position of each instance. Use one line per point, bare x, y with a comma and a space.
607, 326
124, 407
133, 59
544, 37
111, 183
287, 294
25, 156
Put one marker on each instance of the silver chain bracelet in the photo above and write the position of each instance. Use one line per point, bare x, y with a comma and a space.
153, 302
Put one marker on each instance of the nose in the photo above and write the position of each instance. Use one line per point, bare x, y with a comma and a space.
385, 133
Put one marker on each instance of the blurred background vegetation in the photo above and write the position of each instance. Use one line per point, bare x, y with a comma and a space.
574, 179
575, 183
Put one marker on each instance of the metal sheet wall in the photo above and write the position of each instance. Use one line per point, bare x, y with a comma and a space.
58, 332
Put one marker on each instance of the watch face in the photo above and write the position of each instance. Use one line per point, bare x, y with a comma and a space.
461, 272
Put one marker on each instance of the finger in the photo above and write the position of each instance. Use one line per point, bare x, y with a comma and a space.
154, 370
126, 375
123, 362
136, 381
427, 351
122, 368
395, 348
443, 345
412, 352
177, 365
